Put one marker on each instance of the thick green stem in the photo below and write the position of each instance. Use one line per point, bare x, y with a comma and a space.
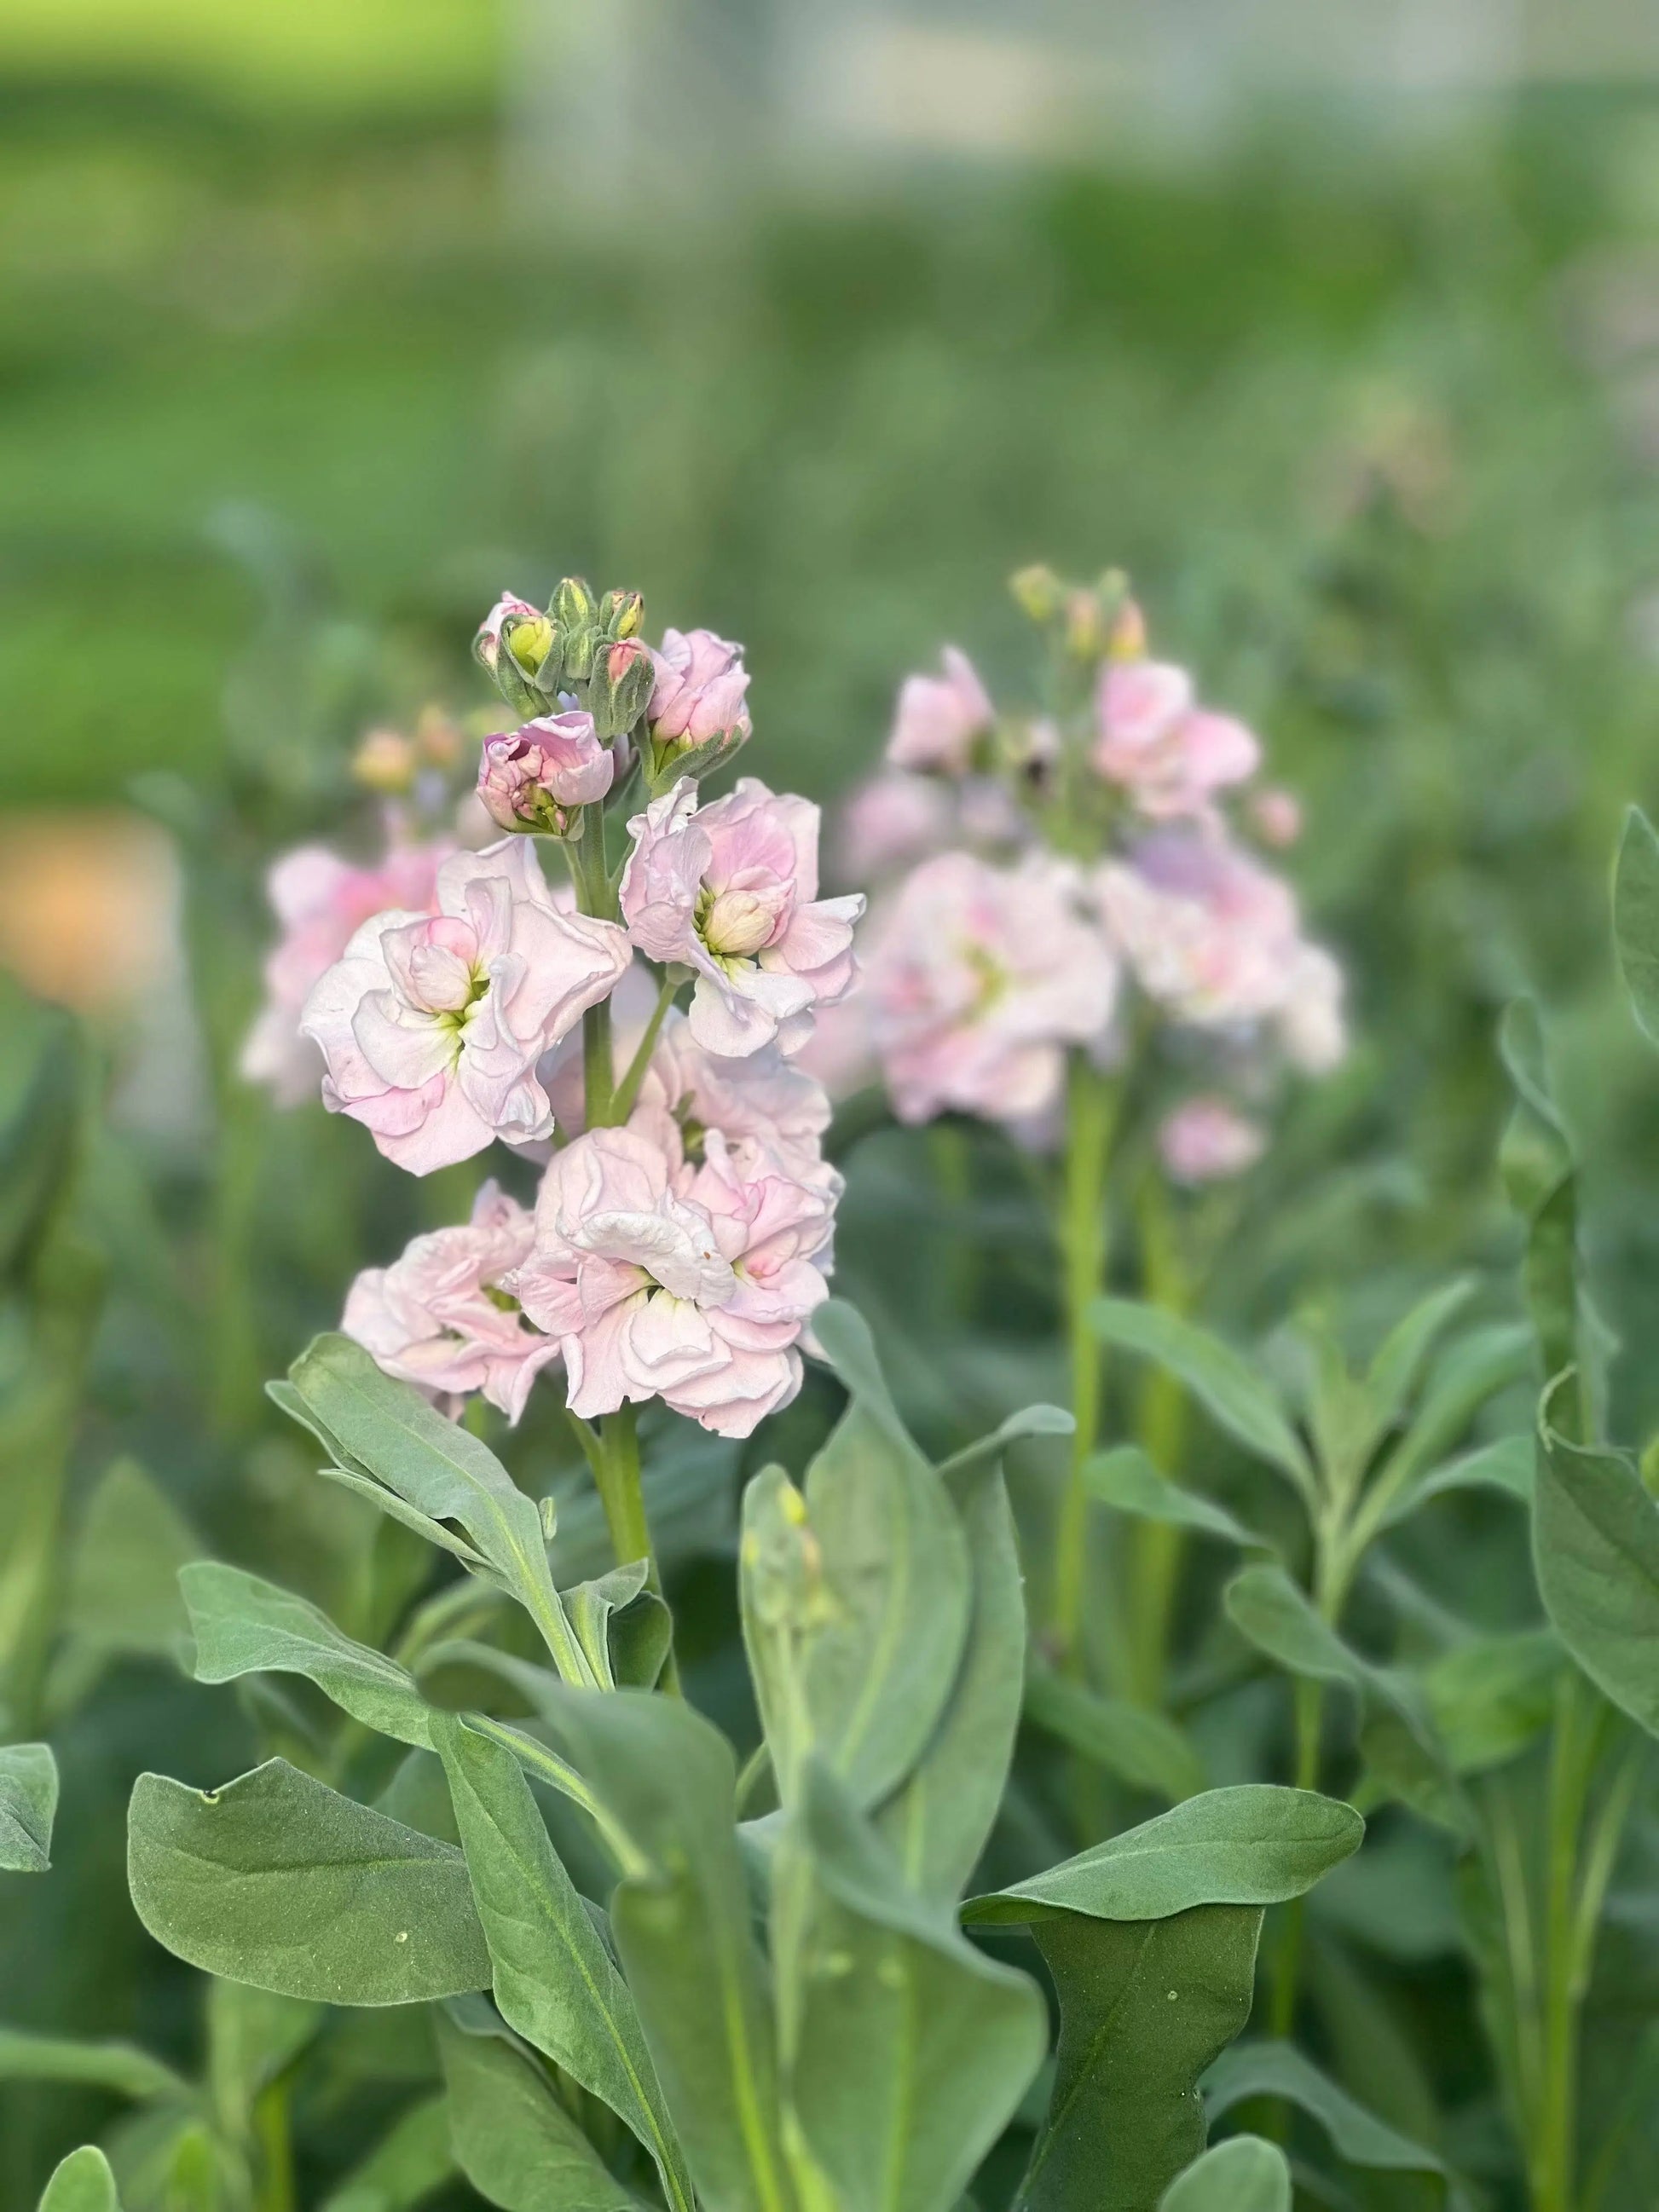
1089, 1114
616, 1471
1573, 1755
1287, 1961
1157, 1547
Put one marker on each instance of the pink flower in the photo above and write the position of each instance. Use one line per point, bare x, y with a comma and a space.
699, 692
660, 1279
839, 1055
979, 980
890, 820
1310, 1024
1210, 935
431, 1025
1276, 817
1205, 1140
731, 892
1169, 753
766, 1110
320, 899
938, 717
528, 778
438, 1318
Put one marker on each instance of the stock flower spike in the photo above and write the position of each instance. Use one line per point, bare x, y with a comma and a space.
1169, 754
431, 1025
938, 718
438, 1318
536, 777
730, 891
663, 1278
698, 695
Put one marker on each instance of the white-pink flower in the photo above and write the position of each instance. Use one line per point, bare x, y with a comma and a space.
699, 692
431, 1025
1169, 754
1206, 1140
980, 979
439, 1317
1210, 934
938, 718
531, 778
766, 1108
731, 891
1310, 1024
320, 900
890, 820
1276, 817
663, 1278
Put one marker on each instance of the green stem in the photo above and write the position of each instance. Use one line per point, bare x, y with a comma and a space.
1157, 1547
616, 1464
1566, 1946
273, 2134
1287, 1963
1090, 1115
626, 1092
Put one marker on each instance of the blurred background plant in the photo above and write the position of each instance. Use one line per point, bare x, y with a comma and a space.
320, 326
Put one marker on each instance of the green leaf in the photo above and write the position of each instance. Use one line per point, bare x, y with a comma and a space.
253, 2035
1126, 1480
939, 1818
1229, 1388
1145, 2007
554, 1980
1394, 1373
1636, 919
122, 1595
1255, 1844
409, 2161
1269, 1610
1279, 2070
1539, 1170
1243, 2174
681, 1919
25, 2055
1466, 1374
1145, 1749
1489, 1698
84, 2183
590, 1605
880, 1643
244, 1625
1030, 1421
513, 2139
278, 1881
28, 1802
1596, 1547
909, 2049
1506, 1465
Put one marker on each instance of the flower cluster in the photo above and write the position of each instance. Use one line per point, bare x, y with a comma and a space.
1079, 878
681, 1236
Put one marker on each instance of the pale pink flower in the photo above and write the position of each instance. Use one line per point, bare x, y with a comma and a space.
1207, 1140
531, 778
1169, 754
766, 1107
439, 1317
840, 1054
1310, 1023
431, 1025
938, 717
890, 820
320, 900
731, 891
699, 692
979, 980
661, 1279
1210, 934
1276, 817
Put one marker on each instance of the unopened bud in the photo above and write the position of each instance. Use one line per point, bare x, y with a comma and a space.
1085, 626
384, 761
529, 641
620, 688
1038, 591
574, 607
516, 645
621, 614
538, 779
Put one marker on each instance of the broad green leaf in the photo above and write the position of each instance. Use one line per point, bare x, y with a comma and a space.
554, 1980
682, 1921
1279, 2070
1256, 1843
123, 1595
244, 1625
1222, 1380
1243, 2174
409, 2161
170, 2158
1270, 1611
881, 1652
1145, 2007
1506, 1465
1596, 1547
1126, 1480
908, 2050
29, 1803
84, 2183
941, 1816
27, 2056
1636, 919
278, 1881
1145, 1749
1489, 1698
590, 1605
514, 2141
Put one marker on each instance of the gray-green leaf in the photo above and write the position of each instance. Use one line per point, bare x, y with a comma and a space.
27, 2055
1144, 1748
411, 2159
1126, 1480
29, 1803
1243, 2174
84, 2183
1636, 919
1221, 1379
513, 2139
278, 1881
1279, 2070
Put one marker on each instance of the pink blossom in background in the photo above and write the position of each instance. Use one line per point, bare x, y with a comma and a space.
1209, 934
431, 1026
938, 717
1207, 1140
320, 900
1276, 818
663, 1278
529, 777
888, 821
438, 1317
978, 980
1310, 1023
731, 891
840, 1055
700, 687
1169, 754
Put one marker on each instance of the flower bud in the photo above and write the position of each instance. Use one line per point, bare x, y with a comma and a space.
516, 643
384, 761
620, 688
621, 614
574, 607
1038, 592
538, 778
697, 715
529, 641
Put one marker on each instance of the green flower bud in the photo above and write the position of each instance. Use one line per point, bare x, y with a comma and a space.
1038, 591
529, 641
620, 688
621, 614
574, 607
